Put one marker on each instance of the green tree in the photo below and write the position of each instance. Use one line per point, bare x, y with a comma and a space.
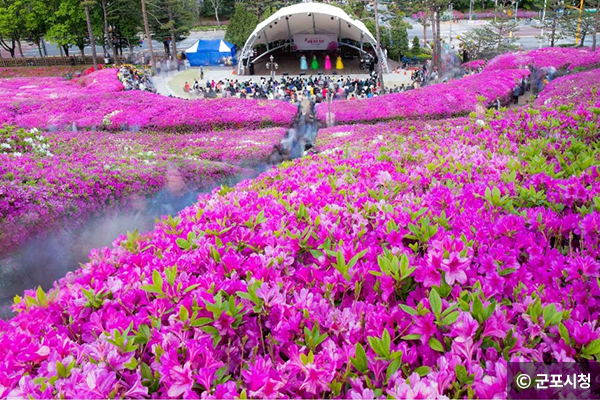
68, 26
12, 25
37, 21
240, 26
495, 38
416, 46
171, 19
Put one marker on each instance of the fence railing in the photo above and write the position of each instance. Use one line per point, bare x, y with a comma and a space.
48, 61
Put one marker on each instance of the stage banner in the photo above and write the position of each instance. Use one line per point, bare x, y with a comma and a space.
314, 42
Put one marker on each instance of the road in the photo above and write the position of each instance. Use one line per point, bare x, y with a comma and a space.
527, 35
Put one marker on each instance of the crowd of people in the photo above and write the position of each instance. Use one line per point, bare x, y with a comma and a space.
293, 89
134, 78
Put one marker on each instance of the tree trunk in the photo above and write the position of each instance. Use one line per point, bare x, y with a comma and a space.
20, 48
433, 37
66, 50
107, 33
379, 55
91, 33
82, 50
596, 23
148, 37
130, 47
217, 16
39, 46
438, 42
425, 32
173, 33
553, 32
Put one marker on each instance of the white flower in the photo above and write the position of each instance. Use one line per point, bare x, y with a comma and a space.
17, 154
4, 146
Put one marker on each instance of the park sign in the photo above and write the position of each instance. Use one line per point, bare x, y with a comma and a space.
314, 42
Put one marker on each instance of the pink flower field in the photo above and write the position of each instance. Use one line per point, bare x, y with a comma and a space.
414, 260
97, 101
554, 57
578, 88
64, 177
443, 100
418, 252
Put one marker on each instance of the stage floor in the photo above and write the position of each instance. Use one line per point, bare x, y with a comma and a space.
289, 63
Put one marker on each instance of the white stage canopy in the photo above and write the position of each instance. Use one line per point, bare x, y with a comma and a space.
306, 19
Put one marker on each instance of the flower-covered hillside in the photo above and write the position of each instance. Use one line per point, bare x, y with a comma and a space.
547, 57
65, 177
578, 88
96, 102
413, 261
443, 100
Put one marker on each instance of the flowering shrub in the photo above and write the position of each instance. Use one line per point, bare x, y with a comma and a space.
474, 64
59, 70
457, 97
578, 88
57, 103
555, 57
65, 177
412, 261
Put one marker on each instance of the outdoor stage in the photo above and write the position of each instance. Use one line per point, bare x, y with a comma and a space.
289, 63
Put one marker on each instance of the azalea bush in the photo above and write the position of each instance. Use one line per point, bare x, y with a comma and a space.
407, 260
65, 177
474, 64
548, 57
454, 98
97, 101
578, 88
58, 70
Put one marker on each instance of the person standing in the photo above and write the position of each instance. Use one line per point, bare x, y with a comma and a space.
201, 73
516, 92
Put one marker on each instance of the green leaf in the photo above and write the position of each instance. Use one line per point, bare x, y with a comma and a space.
593, 348
132, 364
435, 302
184, 314
393, 367
451, 318
413, 336
61, 370
409, 310
564, 333
436, 345
422, 370
360, 359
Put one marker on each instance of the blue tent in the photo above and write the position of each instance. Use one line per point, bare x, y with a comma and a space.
210, 52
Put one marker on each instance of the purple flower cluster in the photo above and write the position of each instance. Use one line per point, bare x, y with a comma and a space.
410, 260
548, 57
64, 177
97, 102
457, 97
578, 88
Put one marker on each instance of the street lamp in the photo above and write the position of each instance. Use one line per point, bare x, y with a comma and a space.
580, 9
272, 66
